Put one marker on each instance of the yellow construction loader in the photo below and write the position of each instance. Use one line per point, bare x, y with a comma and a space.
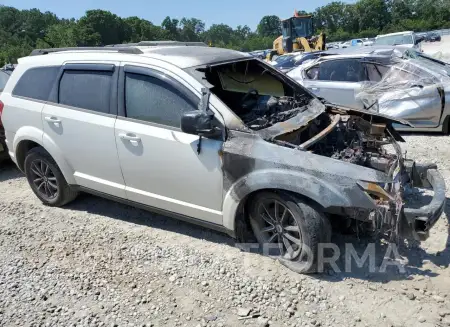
298, 35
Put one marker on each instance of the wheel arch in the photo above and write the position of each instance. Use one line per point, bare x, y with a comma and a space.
303, 185
27, 138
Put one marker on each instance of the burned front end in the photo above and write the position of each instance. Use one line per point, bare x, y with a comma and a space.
364, 140
346, 160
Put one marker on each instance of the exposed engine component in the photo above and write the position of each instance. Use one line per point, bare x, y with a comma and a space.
265, 111
347, 138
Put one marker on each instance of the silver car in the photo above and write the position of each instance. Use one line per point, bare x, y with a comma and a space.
397, 82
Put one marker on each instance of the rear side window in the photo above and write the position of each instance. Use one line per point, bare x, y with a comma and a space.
36, 83
376, 72
86, 89
151, 99
341, 71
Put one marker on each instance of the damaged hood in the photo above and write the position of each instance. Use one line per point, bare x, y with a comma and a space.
314, 109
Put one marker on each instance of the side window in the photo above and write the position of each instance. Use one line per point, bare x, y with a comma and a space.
36, 83
346, 70
313, 73
376, 72
151, 99
86, 89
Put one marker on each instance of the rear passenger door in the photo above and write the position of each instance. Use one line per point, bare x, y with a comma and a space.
337, 81
79, 120
161, 165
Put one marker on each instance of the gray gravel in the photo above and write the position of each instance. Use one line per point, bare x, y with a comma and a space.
99, 263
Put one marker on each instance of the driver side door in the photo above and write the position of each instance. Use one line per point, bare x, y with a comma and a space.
161, 165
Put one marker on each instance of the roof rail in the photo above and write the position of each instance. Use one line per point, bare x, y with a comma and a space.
121, 45
170, 43
39, 52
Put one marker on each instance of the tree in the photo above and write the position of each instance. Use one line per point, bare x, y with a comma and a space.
330, 17
190, 29
269, 26
109, 26
171, 28
219, 35
373, 14
23, 30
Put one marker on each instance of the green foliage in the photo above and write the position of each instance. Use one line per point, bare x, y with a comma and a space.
23, 30
269, 26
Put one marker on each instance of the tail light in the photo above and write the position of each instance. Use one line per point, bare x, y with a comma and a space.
1, 111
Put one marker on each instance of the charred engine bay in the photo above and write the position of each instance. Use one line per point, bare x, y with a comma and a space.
343, 137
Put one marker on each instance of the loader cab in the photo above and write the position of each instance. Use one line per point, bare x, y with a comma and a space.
296, 27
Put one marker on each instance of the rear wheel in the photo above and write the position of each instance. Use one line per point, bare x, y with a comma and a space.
291, 227
46, 179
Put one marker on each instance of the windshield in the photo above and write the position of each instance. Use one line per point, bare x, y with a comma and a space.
297, 27
430, 63
395, 39
290, 62
302, 26
282, 59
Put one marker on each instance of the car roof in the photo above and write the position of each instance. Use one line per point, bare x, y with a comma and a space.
396, 33
181, 56
383, 59
397, 50
381, 55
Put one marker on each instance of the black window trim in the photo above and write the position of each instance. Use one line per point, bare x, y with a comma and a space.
152, 73
54, 94
33, 99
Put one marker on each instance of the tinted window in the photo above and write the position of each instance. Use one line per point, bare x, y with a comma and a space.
341, 71
376, 72
3, 79
36, 83
86, 89
151, 99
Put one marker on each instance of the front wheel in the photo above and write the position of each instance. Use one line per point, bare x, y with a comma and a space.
290, 227
46, 179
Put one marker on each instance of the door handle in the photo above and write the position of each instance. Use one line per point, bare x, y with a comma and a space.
129, 137
52, 119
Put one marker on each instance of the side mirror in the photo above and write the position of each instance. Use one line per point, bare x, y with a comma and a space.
199, 123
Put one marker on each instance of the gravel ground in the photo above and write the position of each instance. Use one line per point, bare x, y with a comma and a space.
99, 263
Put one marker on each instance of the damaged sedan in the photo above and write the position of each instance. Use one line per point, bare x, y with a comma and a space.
215, 137
399, 82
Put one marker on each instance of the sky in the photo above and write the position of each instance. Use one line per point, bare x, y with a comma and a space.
230, 12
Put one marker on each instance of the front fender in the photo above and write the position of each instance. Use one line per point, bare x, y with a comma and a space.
324, 193
29, 133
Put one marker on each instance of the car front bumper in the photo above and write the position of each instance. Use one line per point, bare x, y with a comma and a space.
417, 222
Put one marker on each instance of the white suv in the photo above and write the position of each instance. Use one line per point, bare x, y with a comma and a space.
213, 136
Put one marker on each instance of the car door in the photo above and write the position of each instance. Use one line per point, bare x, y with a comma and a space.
79, 120
163, 167
337, 81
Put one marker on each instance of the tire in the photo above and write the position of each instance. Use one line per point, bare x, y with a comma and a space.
304, 226
46, 179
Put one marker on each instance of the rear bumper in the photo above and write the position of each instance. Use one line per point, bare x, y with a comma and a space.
418, 222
